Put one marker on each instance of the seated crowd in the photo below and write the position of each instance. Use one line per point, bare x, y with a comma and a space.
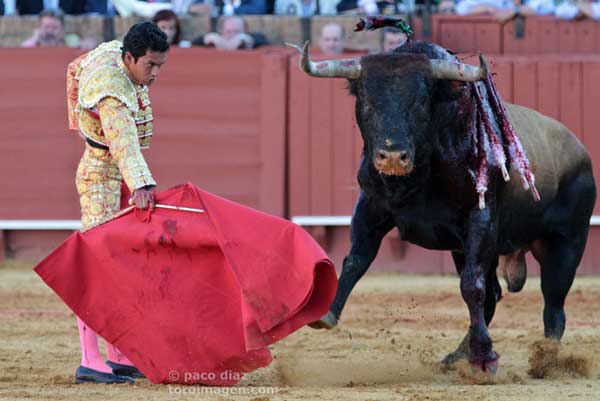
506, 9
233, 32
566, 9
147, 8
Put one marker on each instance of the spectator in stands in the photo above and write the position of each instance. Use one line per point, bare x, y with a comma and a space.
368, 7
233, 35
8, 7
537, 7
34, 7
589, 9
203, 7
241, 7
331, 41
297, 8
446, 7
101, 7
563, 9
567, 10
305, 8
168, 22
392, 38
500, 9
179, 7
50, 31
139, 8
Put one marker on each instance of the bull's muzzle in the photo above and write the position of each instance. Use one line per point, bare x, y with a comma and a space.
393, 162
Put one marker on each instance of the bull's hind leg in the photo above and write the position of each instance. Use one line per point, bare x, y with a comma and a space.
559, 259
369, 226
557, 274
560, 254
493, 294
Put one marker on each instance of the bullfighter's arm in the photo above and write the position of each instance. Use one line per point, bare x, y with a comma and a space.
122, 138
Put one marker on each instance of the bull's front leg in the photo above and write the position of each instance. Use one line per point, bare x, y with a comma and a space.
493, 294
368, 227
479, 252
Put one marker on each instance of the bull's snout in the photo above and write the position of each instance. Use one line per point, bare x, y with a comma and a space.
393, 162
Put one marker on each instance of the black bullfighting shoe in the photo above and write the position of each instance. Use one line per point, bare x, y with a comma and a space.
125, 370
87, 375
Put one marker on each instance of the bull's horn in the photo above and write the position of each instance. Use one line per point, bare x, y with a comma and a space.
343, 68
443, 69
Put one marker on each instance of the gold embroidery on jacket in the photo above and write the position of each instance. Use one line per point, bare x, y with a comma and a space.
103, 74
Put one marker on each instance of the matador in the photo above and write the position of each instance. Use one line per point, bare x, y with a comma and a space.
108, 104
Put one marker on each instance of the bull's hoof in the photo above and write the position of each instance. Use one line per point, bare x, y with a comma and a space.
489, 367
329, 321
463, 352
454, 357
478, 372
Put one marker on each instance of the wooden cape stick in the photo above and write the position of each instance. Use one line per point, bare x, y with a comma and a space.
130, 208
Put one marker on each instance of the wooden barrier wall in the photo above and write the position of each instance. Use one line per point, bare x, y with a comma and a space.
38, 155
251, 127
540, 35
220, 123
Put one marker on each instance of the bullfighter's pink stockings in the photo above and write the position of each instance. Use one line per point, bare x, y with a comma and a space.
114, 355
90, 353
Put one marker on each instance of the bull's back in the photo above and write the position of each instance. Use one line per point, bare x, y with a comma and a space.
554, 152
559, 162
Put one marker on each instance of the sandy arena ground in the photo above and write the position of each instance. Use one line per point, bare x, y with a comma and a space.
391, 336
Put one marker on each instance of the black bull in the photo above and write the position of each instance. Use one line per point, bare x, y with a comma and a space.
414, 175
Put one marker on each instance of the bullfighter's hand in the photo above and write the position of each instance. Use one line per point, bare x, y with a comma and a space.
143, 198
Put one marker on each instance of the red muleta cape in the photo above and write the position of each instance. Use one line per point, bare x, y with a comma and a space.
198, 294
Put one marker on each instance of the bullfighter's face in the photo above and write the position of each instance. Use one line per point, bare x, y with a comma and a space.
145, 70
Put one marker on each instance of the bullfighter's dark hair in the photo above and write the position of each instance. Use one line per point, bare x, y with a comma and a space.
142, 37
